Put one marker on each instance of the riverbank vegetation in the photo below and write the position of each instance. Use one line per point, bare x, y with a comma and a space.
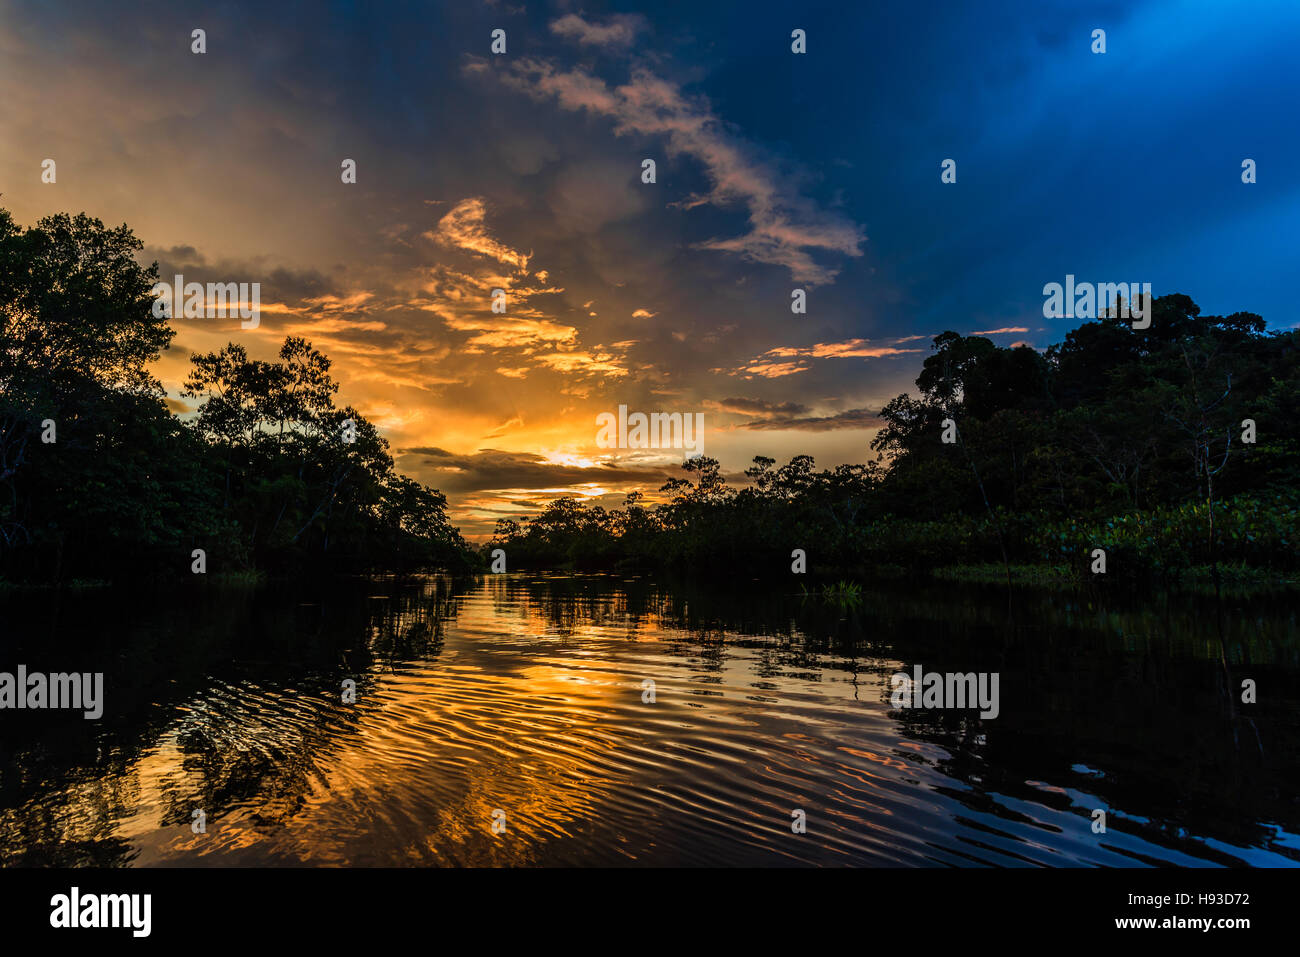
1174, 449
99, 480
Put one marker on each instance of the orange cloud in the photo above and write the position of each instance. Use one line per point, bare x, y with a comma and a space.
463, 228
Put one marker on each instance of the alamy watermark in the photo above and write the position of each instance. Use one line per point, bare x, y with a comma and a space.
37, 691
217, 300
75, 910
939, 690
1085, 300
657, 430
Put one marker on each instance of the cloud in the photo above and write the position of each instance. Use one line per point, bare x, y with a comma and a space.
767, 366
582, 362
619, 30
759, 407
848, 349
771, 370
785, 229
504, 427
791, 416
463, 228
460, 298
587, 194
501, 471
1006, 330
849, 419
505, 332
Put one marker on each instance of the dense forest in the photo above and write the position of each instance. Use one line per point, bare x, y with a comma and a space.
100, 481
1172, 448
1175, 449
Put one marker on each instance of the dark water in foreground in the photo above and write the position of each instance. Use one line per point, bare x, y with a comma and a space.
525, 695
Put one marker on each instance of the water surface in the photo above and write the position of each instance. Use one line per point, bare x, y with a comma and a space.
525, 695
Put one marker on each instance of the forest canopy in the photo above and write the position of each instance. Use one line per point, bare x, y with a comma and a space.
98, 479
1169, 447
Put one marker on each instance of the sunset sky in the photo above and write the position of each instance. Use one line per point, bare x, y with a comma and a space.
775, 171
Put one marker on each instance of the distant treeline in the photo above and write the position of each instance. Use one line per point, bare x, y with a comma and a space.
99, 480
1169, 447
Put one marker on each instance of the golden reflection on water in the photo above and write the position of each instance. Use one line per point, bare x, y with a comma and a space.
504, 699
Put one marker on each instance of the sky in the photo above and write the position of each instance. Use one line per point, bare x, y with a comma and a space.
774, 171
